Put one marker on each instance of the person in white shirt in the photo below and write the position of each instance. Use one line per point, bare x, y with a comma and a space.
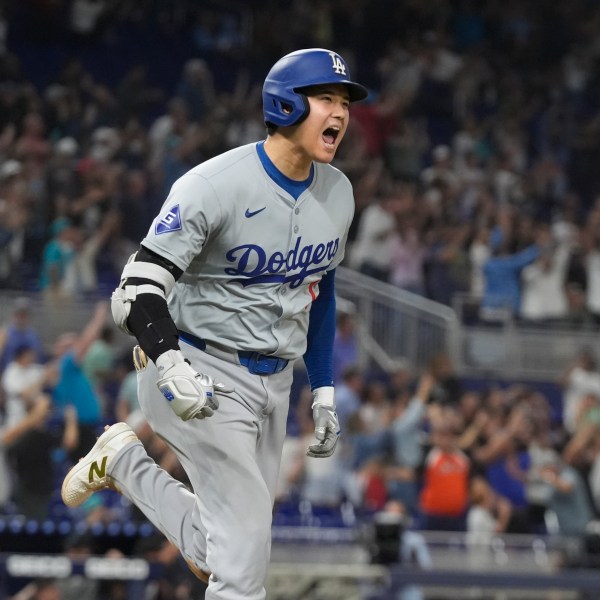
22, 381
372, 250
544, 296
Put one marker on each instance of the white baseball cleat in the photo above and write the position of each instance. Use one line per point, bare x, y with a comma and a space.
90, 474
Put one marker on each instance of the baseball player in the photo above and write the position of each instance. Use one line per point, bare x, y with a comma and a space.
232, 285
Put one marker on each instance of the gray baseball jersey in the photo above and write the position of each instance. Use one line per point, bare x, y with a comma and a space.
252, 256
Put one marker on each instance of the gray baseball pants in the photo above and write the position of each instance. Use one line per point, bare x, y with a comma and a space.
232, 460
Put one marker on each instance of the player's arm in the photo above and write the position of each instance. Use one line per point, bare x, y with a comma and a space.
139, 304
318, 359
139, 308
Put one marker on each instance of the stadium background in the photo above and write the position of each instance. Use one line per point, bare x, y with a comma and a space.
482, 117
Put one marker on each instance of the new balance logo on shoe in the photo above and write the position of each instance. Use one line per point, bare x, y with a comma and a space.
100, 471
90, 474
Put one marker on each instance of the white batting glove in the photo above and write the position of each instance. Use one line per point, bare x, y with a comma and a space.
327, 425
191, 395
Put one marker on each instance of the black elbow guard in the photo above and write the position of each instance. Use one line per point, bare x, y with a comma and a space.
152, 325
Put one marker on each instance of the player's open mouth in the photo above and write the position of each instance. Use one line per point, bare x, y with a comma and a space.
330, 136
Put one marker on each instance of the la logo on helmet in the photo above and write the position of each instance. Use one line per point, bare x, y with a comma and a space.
338, 64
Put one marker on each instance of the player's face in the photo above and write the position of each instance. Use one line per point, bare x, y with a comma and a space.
322, 131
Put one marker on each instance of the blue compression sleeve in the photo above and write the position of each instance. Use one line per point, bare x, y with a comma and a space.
321, 332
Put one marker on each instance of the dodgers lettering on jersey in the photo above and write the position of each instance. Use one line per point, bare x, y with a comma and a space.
249, 252
254, 266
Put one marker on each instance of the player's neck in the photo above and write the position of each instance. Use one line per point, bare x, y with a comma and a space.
288, 157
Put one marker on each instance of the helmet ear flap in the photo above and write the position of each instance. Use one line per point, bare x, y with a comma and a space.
306, 110
288, 113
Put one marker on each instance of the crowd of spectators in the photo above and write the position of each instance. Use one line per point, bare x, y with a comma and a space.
474, 168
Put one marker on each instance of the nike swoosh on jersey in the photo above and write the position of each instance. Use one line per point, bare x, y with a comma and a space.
251, 213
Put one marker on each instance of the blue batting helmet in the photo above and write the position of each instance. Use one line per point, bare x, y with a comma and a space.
283, 101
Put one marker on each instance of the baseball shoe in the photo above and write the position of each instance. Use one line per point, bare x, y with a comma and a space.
90, 474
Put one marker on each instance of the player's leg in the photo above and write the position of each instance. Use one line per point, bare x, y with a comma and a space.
273, 431
219, 456
165, 501
119, 461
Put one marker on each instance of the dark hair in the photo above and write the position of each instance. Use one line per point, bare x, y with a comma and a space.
22, 349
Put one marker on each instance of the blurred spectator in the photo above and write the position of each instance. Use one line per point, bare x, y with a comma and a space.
31, 460
99, 363
15, 217
578, 316
565, 495
73, 389
348, 394
135, 205
408, 255
10, 435
196, 89
447, 388
345, 344
446, 263
507, 475
376, 409
442, 169
81, 271
479, 253
395, 543
136, 95
22, 381
579, 380
84, 19
287, 491
502, 292
175, 119
100, 180
593, 479
127, 405
19, 332
373, 246
404, 148
407, 442
444, 497
591, 260
489, 514
58, 253
135, 147
62, 179
544, 297
31, 146
320, 482
105, 144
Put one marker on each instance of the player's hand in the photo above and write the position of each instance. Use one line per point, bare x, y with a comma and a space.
327, 425
191, 395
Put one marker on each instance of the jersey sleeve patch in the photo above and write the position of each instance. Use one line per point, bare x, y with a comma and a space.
170, 222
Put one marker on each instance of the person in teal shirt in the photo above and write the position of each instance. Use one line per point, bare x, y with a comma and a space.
57, 255
73, 387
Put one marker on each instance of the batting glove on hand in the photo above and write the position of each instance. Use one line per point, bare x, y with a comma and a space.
191, 395
327, 426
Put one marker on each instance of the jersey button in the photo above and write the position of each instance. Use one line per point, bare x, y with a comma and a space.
296, 229
297, 210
